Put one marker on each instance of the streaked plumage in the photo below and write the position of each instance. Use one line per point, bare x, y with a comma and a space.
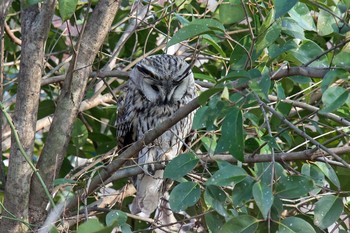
158, 86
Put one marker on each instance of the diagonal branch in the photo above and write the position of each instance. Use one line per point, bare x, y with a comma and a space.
69, 102
133, 150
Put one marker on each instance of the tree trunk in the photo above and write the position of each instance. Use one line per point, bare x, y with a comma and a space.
35, 23
68, 104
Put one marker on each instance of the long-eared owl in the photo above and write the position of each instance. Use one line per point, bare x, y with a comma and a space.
158, 86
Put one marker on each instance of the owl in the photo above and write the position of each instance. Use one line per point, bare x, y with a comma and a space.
158, 86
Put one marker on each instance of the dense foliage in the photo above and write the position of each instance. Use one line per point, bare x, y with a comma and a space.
270, 152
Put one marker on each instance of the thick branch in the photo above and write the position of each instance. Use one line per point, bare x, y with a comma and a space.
35, 22
133, 150
69, 101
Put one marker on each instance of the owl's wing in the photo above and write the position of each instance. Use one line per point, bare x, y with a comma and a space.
125, 129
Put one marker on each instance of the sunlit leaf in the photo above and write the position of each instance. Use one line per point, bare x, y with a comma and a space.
301, 14
326, 23
91, 225
231, 12
67, 8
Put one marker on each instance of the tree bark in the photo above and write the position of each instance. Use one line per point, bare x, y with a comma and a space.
3, 12
35, 23
68, 104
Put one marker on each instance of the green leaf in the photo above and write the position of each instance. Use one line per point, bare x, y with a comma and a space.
240, 224
205, 95
79, 134
276, 50
333, 98
60, 181
327, 211
188, 32
331, 76
263, 197
282, 7
294, 186
326, 23
215, 198
184, 195
342, 59
292, 28
67, 8
227, 175
230, 13
265, 83
195, 28
329, 173
212, 42
210, 23
295, 225
180, 166
199, 116
214, 221
268, 37
28, 3
308, 51
242, 191
232, 138
91, 225
301, 14
116, 216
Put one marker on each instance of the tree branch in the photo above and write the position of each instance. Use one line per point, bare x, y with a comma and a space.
133, 150
35, 22
69, 102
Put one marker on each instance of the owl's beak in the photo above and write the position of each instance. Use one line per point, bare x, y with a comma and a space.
167, 95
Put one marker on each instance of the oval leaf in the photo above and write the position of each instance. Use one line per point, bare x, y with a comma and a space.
79, 133
294, 186
263, 197
67, 8
295, 225
91, 225
242, 223
116, 216
180, 166
329, 172
184, 195
232, 138
227, 175
328, 210
333, 98
282, 7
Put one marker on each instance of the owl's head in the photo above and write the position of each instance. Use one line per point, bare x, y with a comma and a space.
162, 78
